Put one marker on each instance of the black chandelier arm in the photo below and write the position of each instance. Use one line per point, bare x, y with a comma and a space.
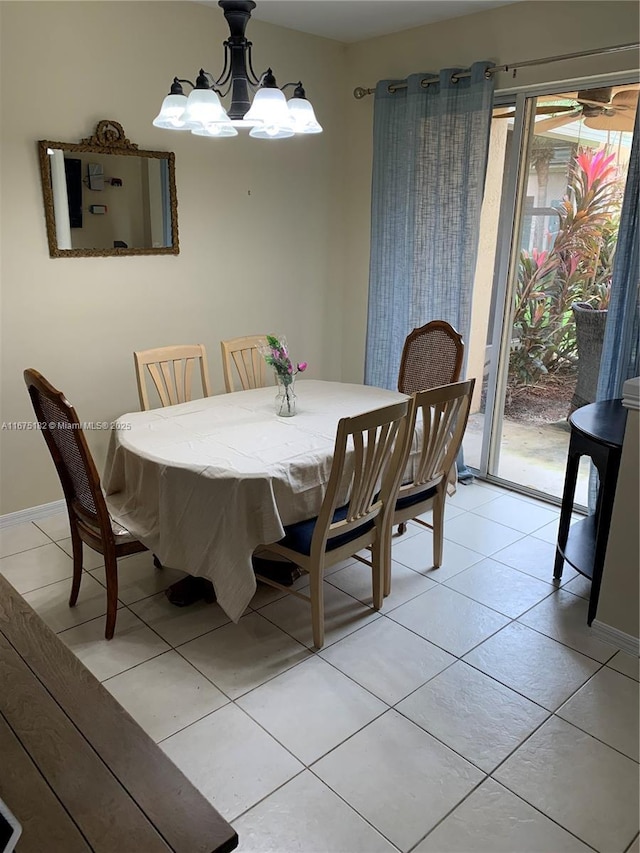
225, 74
254, 79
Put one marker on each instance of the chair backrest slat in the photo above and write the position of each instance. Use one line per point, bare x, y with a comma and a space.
171, 370
440, 418
432, 356
241, 357
378, 440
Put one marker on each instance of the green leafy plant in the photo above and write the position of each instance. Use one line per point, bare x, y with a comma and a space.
576, 268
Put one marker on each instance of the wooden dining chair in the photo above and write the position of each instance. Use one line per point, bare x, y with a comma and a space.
89, 518
438, 418
171, 369
370, 474
432, 355
241, 358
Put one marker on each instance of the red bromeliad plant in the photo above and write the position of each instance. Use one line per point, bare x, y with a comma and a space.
576, 268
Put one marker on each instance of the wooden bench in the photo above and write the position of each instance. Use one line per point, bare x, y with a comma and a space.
76, 770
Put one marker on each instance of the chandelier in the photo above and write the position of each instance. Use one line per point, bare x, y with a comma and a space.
269, 116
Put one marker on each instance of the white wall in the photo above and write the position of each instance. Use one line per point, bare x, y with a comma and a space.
520, 31
618, 602
259, 224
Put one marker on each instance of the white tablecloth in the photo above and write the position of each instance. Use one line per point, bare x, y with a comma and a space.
202, 484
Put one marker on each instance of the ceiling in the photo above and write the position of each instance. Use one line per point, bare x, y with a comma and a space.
355, 20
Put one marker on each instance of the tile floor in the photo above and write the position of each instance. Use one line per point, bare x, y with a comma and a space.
475, 712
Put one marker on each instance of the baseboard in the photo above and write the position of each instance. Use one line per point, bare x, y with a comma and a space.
33, 513
618, 638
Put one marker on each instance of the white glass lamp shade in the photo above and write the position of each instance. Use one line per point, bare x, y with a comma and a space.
216, 130
269, 107
303, 117
203, 108
171, 113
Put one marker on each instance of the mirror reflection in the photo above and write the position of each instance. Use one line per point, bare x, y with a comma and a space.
104, 196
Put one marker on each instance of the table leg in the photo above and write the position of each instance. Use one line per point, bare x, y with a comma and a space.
189, 590
571, 477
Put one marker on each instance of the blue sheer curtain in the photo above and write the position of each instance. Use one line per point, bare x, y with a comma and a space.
620, 349
620, 360
429, 166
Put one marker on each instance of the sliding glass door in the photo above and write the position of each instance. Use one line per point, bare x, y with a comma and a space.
555, 182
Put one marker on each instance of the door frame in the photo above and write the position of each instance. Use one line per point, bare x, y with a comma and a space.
506, 265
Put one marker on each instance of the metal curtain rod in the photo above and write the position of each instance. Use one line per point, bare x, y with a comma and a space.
360, 92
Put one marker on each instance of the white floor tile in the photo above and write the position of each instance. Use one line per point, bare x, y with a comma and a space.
231, 760
387, 659
138, 578
563, 616
38, 567
532, 664
55, 526
342, 615
52, 603
548, 533
132, 644
21, 537
394, 761
311, 708
266, 594
578, 585
239, 657
584, 785
626, 664
405, 584
178, 625
473, 714
607, 708
535, 557
480, 534
90, 559
449, 619
304, 816
165, 694
504, 589
450, 511
473, 495
635, 846
518, 514
493, 820
417, 553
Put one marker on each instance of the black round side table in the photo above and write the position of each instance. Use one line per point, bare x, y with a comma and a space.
597, 430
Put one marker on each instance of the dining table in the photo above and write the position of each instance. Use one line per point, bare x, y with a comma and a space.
203, 484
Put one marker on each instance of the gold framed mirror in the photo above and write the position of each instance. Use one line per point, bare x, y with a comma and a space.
104, 197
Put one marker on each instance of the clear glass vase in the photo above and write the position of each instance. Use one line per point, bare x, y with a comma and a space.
285, 398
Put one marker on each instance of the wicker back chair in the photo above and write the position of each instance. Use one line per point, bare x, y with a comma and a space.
171, 369
243, 355
432, 356
89, 518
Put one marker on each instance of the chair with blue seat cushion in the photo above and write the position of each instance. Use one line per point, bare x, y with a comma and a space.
437, 422
367, 467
